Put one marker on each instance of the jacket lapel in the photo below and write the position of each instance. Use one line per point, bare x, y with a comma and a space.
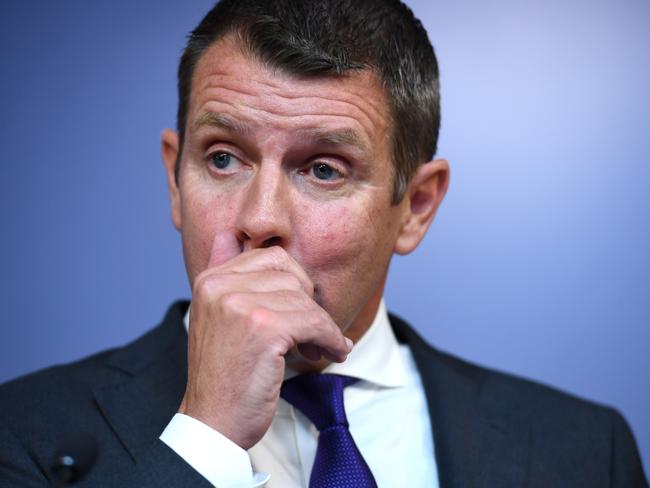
146, 383
481, 438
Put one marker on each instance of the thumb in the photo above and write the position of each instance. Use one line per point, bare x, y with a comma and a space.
225, 246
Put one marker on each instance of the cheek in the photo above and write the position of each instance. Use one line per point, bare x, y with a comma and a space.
344, 244
329, 236
346, 252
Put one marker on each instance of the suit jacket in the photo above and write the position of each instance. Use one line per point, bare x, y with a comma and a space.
490, 429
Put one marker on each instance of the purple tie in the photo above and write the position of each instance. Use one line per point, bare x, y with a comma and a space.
338, 462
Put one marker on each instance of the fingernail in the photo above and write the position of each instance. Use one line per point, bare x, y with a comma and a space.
349, 343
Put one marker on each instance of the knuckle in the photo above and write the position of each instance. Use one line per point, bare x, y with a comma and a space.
198, 287
261, 317
198, 279
299, 300
230, 301
207, 285
212, 284
317, 322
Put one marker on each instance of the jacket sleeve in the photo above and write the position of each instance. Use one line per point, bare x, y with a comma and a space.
159, 466
626, 468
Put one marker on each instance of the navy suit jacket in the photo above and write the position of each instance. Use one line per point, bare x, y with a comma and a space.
490, 429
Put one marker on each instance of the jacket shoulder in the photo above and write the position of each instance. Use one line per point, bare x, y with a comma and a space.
564, 438
518, 392
66, 386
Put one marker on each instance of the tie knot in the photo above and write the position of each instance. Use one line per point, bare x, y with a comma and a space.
319, 397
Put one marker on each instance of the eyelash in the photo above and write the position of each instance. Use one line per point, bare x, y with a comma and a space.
211, 157
338, 173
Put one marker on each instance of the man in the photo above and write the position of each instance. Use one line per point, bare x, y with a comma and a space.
303, 160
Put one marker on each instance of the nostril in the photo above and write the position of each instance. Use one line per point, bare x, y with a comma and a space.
271, 241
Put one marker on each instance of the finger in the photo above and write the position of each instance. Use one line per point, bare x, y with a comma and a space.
315, 353
272, 258
310, 351
254, 282
321, 333
225, 246
289, 318
278, 301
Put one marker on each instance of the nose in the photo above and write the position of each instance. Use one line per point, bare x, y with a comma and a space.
264, 217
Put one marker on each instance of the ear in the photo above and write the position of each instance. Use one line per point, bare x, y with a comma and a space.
169, 145
424, 195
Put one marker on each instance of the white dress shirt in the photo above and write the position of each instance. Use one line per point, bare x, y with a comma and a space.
386, 410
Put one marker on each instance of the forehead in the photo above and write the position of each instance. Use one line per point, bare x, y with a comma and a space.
230, 81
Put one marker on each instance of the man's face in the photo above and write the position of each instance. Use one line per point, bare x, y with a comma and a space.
300, 163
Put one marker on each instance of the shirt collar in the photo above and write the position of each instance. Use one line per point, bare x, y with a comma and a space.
375, 358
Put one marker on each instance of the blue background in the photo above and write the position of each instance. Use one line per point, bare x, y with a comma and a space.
538, 262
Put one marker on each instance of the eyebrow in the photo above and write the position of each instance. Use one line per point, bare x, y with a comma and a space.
340, 137
220, 121
336, 137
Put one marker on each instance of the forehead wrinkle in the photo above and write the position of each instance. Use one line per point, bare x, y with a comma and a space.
371, 111
377, 112
214, 70
246, 126
351, 100
221, 121
217, 80
344, 130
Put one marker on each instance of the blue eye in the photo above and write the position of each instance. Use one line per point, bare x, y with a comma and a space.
324, 171
221, 160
